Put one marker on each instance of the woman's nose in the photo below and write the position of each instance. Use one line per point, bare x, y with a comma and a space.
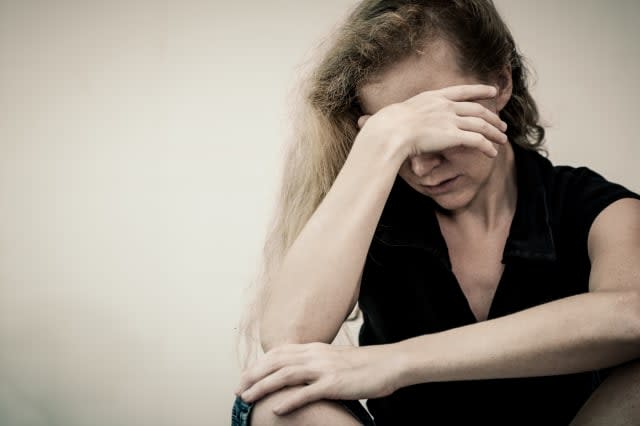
421, 165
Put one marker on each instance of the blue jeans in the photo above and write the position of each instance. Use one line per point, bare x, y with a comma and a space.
241, 410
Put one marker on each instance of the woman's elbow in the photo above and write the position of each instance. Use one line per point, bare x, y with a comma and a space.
635, 316
274, 335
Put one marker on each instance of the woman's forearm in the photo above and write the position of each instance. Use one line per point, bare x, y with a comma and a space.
313, 290
574, 334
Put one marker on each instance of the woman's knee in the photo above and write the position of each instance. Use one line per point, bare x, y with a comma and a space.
615, 400
319, 413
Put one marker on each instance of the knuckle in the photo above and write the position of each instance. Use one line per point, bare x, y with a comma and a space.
248, 375
445, 103
448, 105
288, 373
318, 367
314, 346
257, 389
273, 363
452, 134
242, 383
275, 351
332, 378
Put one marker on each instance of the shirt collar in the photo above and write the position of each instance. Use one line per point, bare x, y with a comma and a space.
408, 218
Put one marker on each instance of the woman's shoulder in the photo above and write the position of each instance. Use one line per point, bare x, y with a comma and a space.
583, 186
576, 195
565, 183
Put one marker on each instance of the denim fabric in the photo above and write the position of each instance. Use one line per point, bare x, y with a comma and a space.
241, 411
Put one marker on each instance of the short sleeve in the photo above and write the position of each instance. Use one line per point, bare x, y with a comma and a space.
588, 194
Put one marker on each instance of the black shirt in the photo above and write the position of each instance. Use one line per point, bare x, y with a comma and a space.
408, 289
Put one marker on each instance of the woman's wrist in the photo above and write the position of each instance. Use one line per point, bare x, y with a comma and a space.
391, 149
402, 365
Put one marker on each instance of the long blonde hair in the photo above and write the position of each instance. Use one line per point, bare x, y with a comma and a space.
375, 35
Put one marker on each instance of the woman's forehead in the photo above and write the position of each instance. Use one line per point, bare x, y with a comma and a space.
436, 67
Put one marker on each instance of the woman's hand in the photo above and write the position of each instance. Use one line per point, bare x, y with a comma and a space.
436, 120
329, 371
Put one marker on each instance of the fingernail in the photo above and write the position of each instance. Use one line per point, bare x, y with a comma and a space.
504, 126
277, 411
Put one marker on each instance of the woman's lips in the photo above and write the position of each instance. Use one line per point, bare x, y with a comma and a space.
443, 186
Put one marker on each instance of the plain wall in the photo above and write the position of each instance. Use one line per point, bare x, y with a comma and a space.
140, 144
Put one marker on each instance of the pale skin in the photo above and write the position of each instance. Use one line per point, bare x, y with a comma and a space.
430, 130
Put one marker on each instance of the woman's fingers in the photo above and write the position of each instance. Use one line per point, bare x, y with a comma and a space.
427, 120
474, 109
478, 141
469, 92
479, 125
363, 119
303, 396
287, 376
272, 361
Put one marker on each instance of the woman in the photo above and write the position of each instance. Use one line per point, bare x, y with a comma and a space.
495, 287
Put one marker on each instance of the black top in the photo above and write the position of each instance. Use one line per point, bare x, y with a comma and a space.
408, 289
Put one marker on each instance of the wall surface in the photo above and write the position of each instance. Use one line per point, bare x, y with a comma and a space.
140, 142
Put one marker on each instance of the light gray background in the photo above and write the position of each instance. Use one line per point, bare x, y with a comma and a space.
140, 143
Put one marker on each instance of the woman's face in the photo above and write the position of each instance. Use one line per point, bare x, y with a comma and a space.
425, 173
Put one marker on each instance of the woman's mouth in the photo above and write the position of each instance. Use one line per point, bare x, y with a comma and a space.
442, 186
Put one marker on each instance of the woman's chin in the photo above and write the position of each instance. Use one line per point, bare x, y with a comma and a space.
453, 198
452, 201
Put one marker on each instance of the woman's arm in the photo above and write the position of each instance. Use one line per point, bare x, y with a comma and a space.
317, 284
588, 331
578, 333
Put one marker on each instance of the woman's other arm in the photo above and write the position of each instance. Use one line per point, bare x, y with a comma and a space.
318, 282
597, 329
